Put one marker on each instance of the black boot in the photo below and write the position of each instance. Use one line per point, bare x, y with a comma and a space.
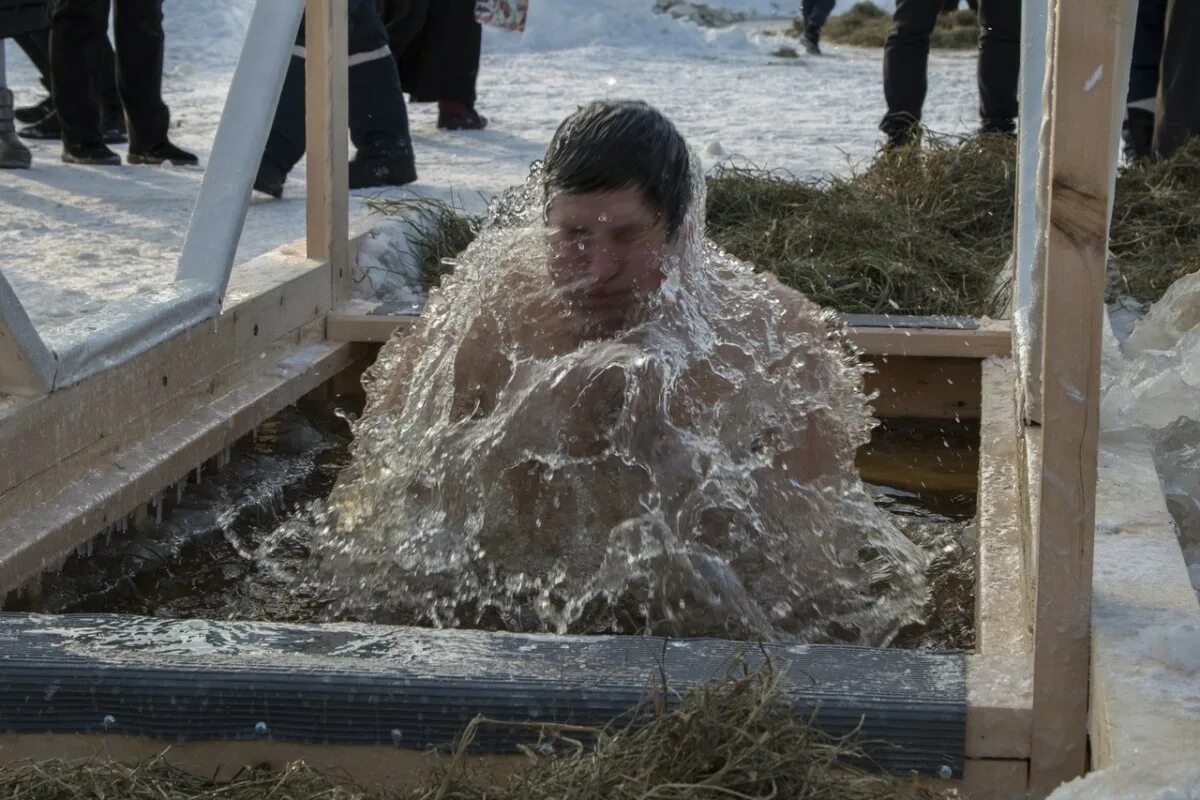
13, 153
34, 113
1138, 134
366, 171
160, 153
94, 155
270, 178
112, 131
811, 40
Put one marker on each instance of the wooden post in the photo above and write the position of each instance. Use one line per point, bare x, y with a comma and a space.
1081, 183
327, 109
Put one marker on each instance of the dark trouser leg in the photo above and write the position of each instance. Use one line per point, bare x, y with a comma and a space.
285, 143
999, 63
442, 62
1179, 88
138, 25
76, 32
1138, 131
36, 45
378, 117
905, 62
816, 12
404, 20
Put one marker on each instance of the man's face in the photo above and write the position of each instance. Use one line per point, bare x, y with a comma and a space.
607, 253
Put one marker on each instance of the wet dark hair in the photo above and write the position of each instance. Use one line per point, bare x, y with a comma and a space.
622, 144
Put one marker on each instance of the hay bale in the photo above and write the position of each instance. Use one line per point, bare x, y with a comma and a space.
1155, 236
919, 231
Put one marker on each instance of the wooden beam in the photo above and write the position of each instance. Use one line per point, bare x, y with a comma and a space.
995, 779
934, 342
279, 295
1081, 184
1003, 624
326, 105
922, 387
99, 497
999, 707
354, 322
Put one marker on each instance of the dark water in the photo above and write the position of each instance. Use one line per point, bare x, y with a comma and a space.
236, 545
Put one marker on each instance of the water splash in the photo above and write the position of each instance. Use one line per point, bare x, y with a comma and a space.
688, 468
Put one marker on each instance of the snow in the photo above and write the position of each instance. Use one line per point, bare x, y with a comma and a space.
77, 238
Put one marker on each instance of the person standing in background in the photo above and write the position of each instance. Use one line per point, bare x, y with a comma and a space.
16, 17
436, 44
378, 118
906, 64
1163, 108
77, 27
42, 119
815, 12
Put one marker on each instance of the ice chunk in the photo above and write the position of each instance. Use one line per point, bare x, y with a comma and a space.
1177, 313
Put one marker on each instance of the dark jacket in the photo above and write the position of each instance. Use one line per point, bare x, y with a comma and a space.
23, 16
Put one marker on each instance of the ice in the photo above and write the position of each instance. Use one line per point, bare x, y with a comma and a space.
1143, 781
1153, 391
1173, 316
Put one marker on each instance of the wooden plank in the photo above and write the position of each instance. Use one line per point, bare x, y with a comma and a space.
1081, 185
285, 293
996, 779
352, 326
43, 534
1003, 626
353, 322
328, 201
999, 707
922, 387
934, 342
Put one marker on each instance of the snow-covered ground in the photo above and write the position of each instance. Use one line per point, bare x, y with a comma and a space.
75, 238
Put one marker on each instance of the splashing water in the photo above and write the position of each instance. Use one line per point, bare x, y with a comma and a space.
686, 470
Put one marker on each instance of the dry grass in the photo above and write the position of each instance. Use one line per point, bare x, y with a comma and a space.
732, 739
918, 231
866, 25
1156, 224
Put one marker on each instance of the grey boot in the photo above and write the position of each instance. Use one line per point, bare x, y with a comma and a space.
13, 153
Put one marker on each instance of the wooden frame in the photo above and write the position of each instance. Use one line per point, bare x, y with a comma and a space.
1028, 694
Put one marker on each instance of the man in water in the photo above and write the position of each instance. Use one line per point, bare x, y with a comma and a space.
598, 407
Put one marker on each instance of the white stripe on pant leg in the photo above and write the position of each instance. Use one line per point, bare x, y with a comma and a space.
362, 58
355, 59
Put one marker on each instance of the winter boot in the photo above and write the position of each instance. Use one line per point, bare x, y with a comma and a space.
48, 128
35, 113
92, 155
811, 40
1138, 134
456, 116
270, 178
368, 171
160, 153
13, 153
